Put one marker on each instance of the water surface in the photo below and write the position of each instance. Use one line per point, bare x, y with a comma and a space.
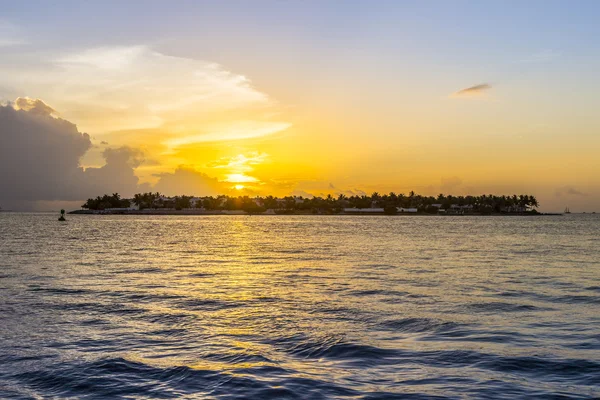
349, 307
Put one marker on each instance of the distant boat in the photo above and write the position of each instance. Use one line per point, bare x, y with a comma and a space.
567, 211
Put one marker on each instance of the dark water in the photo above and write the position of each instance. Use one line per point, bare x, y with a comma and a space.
299, 307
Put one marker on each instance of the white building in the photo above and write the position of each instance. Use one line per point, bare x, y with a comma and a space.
132, 207
406, 210
371, 210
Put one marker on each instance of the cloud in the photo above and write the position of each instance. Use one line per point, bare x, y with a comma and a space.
569, 191
40, 159
477, 90
117, 175
241, 162
231, 131
136, 88
39, 155
106, 58
188, 180
35, 106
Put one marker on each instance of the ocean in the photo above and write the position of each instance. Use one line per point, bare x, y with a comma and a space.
299, 307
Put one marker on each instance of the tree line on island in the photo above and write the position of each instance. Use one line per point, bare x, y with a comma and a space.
391, 203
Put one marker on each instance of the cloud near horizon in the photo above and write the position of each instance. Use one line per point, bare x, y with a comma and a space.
40, 163
569, 191
186, 180
40, 159
473, 91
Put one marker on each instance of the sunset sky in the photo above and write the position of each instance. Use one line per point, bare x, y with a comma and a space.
305, 97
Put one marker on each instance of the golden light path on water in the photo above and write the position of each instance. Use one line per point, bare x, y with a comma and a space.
297, 306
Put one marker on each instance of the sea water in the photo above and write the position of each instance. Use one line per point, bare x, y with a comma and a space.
299, 307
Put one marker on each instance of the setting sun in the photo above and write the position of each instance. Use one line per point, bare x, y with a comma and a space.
240, 178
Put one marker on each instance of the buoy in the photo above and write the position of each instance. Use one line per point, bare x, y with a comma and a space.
62, 215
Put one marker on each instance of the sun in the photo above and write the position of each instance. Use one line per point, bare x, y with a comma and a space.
238, 187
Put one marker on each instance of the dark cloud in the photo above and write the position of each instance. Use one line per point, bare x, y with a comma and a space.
151, 162
117, 175
473, 90
40, 159
39, 155
569, 191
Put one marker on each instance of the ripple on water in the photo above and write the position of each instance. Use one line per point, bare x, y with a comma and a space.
420, 325
494, 307
299, 307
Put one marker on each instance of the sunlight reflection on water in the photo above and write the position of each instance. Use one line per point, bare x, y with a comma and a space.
299, 306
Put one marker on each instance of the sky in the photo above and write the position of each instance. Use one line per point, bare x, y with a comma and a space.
299, 98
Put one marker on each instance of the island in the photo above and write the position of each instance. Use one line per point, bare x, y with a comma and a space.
375, 204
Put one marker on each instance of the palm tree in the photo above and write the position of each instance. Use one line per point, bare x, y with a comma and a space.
533, 202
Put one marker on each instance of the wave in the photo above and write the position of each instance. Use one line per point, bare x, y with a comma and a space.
208, 304
419, 325
503, 307
121, 378
580, 371
59, 291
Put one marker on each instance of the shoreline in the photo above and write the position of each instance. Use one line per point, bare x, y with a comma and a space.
239, 212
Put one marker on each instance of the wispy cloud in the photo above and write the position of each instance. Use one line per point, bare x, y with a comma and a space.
241, 162
569, 191
473, 91
230, 131
111, 89
107, 58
